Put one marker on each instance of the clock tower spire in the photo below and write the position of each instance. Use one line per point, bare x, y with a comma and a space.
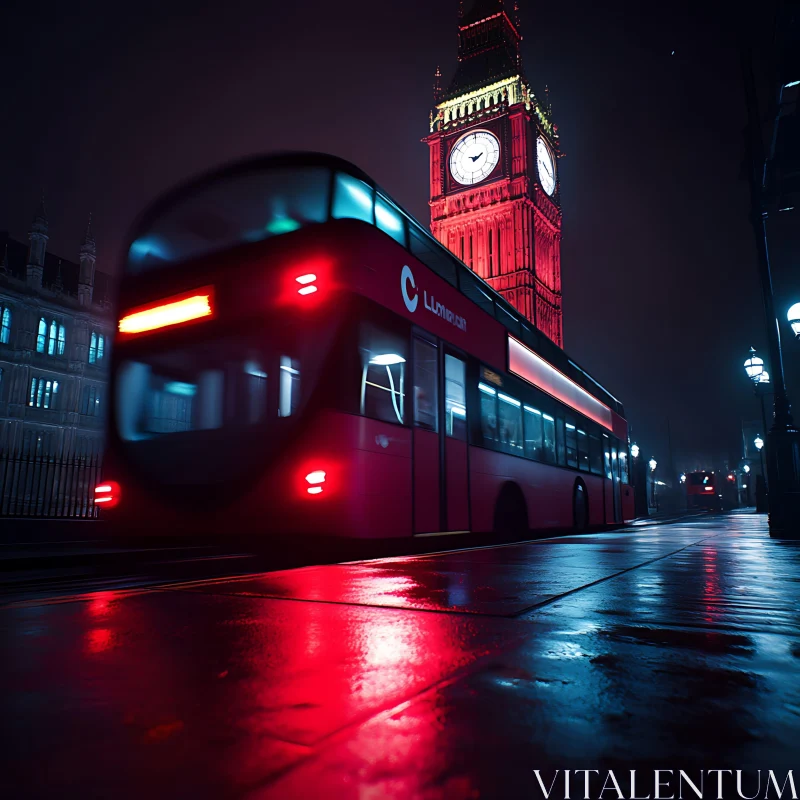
494, 183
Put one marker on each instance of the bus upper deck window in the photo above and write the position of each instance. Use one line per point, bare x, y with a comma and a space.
353, 199
226, 211
389, 220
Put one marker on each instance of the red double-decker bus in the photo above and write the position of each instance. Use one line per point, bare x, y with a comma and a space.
296, 354
701, 491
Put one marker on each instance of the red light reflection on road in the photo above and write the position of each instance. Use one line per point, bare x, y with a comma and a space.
712, 589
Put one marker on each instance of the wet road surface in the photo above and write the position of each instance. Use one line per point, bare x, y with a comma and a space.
457, 674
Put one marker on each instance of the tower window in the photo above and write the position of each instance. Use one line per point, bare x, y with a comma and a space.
462, 246
499, 253
491, 254
470, 249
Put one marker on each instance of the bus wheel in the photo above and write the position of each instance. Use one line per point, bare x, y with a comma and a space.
511, 512
580, 508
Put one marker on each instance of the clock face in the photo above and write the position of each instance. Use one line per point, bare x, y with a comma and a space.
546, 165
473, 157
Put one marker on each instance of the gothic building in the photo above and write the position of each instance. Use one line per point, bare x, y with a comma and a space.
55, 330
494, 189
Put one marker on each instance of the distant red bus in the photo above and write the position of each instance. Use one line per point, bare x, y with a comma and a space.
296, 354
702, 491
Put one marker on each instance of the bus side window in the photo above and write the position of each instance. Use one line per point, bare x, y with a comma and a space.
289, 396
383, 374
455, 397
595, 454
571, 437
583, 451
533, 433
560, 447
510, 418
623, 464
426, 379
549, 426
607, 455
488, 397
353, 199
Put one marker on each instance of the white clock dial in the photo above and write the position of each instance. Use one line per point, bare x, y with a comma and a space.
473, 157
546, 165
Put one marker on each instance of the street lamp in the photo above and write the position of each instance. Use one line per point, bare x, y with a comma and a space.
683, 477
754, 365
794, 319
759, 443
635, 450
652, 464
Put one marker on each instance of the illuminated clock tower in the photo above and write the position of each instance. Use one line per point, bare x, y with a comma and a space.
493, 168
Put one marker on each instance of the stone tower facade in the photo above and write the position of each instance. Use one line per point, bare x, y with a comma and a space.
494, 189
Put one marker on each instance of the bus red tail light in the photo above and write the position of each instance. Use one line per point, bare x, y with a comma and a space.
316, 479
306, 282
107, 494
178, 310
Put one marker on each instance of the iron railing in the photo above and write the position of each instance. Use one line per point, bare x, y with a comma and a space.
38, 485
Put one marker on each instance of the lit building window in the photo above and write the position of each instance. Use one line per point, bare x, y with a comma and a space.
5, 330
51, 339
96, 346
91, 401
41, 339
43, 393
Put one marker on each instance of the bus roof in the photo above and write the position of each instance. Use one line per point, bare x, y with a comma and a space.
416, 238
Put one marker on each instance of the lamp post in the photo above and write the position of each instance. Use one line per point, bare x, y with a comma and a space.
783, 438
761, 481
639, 474
754, 367
793, 316
654, 499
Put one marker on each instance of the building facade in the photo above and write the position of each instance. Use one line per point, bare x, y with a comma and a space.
494, 188
56, 328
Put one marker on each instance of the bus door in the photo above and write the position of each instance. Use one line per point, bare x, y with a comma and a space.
441, 501
616, 484
426, 450
455, 486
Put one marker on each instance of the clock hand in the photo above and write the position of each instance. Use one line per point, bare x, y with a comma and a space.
475, 158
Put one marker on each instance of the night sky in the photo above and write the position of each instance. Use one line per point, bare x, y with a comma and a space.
106, 105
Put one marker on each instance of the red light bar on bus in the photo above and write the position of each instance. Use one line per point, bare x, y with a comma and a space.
533, 368
176, 310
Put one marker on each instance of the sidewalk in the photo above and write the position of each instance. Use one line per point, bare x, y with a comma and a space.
450, 675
